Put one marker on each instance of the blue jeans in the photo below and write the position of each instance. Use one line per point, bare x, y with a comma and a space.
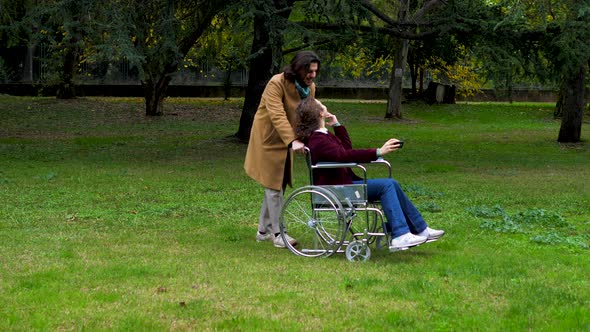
402, 216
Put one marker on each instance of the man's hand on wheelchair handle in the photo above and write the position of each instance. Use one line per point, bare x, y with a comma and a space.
298, 146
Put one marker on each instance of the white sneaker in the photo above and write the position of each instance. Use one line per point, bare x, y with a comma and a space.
432, 234
264, 237
278, 241
406, 241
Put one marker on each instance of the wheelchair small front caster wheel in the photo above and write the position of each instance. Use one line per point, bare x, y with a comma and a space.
358, 251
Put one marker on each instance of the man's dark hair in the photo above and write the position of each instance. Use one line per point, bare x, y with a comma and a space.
299, 64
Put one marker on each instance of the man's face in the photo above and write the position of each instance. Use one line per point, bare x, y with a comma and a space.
310, 75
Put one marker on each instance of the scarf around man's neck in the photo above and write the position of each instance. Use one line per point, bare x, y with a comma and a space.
303, 92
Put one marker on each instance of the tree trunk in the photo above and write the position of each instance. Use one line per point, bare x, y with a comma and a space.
268, 49
413, 66
414, 75
401, 52
227, 84
395, 86
558, 112
67, 88
509, 88
28, 67
160, 66
260, 72
154, 93
572, 107
421, 89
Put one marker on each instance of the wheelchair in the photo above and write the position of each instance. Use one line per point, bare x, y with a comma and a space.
321, 218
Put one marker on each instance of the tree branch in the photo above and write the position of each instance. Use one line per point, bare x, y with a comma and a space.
370, 7
395, 31
304, 46
427, 7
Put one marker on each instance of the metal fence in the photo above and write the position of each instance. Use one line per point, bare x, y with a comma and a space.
36, 66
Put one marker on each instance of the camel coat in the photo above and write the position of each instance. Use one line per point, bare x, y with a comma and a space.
272, 133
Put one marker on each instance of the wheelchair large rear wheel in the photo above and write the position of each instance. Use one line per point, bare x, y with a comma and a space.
315, 218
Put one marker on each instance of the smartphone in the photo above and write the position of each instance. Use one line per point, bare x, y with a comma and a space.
400, 144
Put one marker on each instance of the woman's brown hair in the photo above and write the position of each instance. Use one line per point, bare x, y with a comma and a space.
309, 113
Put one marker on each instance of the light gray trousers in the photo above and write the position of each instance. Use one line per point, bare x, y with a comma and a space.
268, 222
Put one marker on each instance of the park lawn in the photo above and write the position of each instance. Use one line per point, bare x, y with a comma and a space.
113, 221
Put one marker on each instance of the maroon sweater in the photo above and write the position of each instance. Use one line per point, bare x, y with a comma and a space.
336, 147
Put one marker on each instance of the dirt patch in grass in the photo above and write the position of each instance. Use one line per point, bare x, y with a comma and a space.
216, 112
39, 118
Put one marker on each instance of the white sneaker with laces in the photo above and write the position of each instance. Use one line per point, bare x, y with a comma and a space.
264, 237
279, 243
432, 234
406, 241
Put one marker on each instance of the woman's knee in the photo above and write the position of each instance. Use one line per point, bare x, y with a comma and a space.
392, 183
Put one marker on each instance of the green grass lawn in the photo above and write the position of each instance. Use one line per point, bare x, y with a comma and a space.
113, 221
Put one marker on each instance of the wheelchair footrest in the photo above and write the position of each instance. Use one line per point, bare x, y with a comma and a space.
368, 233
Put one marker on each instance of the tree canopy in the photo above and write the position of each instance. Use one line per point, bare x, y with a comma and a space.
504, 42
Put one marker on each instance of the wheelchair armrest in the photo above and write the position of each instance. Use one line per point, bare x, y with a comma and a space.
341, 165
382, 161
334, 165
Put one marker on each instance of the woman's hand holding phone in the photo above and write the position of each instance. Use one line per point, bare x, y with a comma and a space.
391, 145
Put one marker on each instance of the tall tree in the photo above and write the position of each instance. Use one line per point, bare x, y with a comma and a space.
553, 32
400, 20
67, 27
570, 57
159, 33
75, 16
277, 33
400, 61
408, 24
14, 37
572, 105
269, 21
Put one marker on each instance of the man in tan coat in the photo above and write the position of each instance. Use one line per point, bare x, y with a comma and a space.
268, 158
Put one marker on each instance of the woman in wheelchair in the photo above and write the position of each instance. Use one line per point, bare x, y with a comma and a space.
405, 223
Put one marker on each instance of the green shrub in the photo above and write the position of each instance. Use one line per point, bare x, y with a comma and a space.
548, 227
